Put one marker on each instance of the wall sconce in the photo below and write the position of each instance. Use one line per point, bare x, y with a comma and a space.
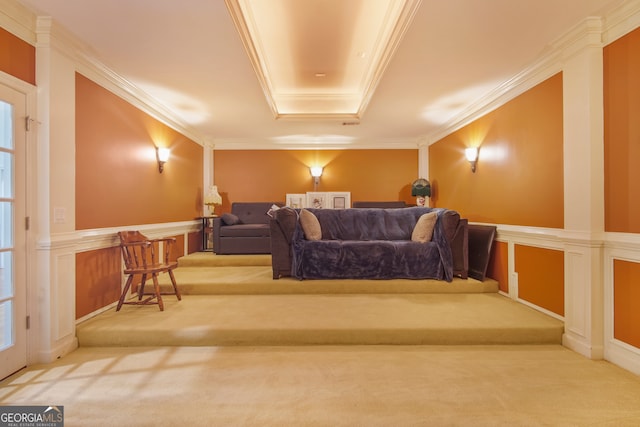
471, 154
316, 173
212, 199
162, 154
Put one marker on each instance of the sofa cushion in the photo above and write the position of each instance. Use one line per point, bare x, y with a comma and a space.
252, 212
369, 223
230, 219
310, 225
423, 231
245, 230
381, 259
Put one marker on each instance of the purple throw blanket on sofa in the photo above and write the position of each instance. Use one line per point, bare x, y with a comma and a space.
371, 244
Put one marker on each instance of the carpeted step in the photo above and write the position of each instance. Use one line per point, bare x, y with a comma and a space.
406, 319
210, 259
258, 280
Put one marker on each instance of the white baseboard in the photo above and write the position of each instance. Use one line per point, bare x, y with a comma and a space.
623, 355
63, 347
579, 346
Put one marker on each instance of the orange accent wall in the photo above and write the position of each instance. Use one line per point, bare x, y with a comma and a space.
194, 242
117, 178
268, 175
98, 277
519, 176
622, 133
626, 302
541, 277
498, 268
17, 57
178, 248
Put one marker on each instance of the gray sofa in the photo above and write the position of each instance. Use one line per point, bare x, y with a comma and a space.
369, 243
381, 205
244, 230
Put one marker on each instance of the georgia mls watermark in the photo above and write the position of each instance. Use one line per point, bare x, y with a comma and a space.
31, 416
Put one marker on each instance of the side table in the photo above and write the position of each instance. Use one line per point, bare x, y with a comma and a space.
207, 233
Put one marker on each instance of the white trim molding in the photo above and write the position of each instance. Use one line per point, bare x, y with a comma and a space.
623, 247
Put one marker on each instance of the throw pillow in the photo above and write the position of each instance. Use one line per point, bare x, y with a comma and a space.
423, 230
230, 219
310, 225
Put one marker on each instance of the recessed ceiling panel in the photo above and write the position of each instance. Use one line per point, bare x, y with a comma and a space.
320, 58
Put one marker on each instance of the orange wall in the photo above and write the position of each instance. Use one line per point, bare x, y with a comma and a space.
117, 178
541, 277
519, 178
98, 277
622, 133
626, 302
194, 242
621, 174
268, 175
17, 57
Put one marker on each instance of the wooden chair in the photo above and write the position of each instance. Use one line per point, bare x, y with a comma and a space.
142, 258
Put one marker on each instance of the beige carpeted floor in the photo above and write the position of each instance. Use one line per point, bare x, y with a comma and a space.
331, 386
327, 385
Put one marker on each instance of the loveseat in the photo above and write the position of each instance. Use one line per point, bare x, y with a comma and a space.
244, 230
369, 243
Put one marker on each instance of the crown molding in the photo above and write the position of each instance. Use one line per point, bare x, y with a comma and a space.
548, 65
621, 20
18, 20
312, 143
403, 23
233, 6
592, 32
86, 62
586, 34
310, 105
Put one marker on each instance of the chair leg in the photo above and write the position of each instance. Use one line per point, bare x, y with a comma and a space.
143, 281
124, 292
156, 288
175, 286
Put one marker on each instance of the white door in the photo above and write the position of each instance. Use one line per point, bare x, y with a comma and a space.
13, 292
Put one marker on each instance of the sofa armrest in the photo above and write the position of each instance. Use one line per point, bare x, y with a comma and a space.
481, 239
217, 223
282, 227
280, 251
460, 249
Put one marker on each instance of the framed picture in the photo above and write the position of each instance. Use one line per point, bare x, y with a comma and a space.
296, 201
341, 200
317, 200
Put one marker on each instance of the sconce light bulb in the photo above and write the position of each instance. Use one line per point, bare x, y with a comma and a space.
316, 171
471, 154
163, 154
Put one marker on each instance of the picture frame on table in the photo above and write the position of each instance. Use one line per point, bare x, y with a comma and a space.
340, 200
296, 201
318, 200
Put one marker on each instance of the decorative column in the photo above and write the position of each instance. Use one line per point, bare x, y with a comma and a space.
584, 189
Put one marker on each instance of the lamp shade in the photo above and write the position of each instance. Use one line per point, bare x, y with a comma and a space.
421, 187
213, 197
